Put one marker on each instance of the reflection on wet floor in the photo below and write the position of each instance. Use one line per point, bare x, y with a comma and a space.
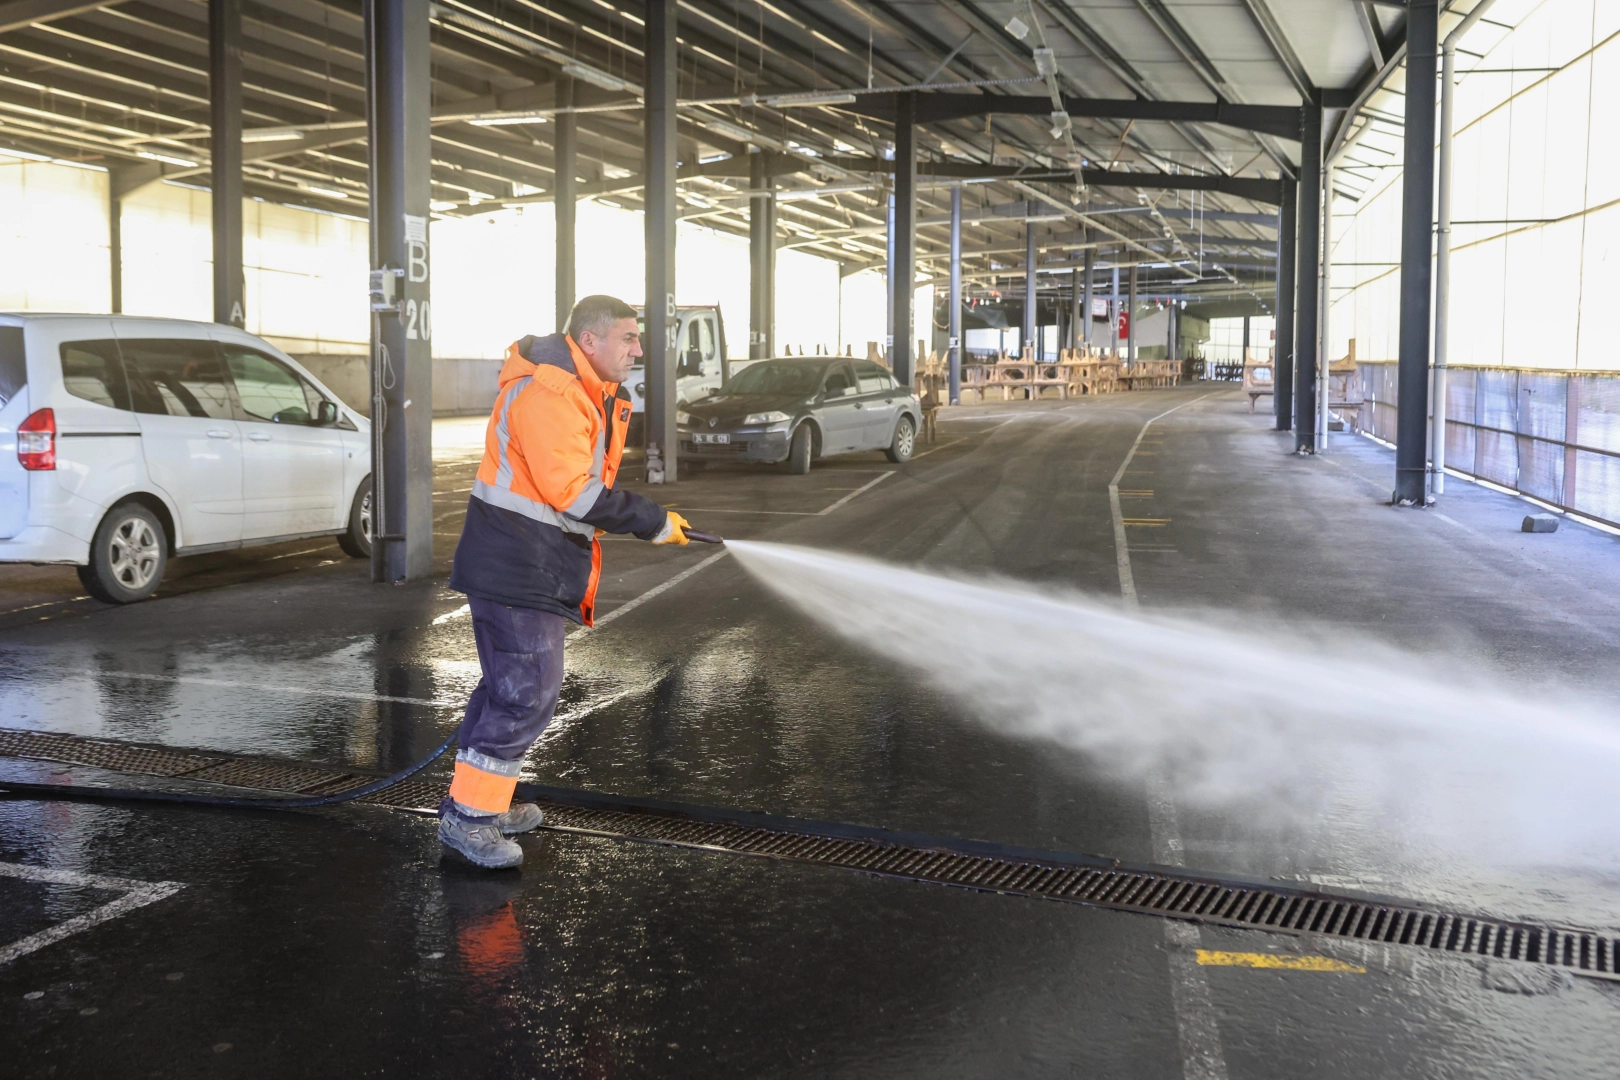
605, 958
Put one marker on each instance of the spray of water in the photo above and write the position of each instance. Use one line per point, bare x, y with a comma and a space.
1443, 749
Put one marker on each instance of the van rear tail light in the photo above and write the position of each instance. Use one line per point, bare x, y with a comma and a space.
36, 440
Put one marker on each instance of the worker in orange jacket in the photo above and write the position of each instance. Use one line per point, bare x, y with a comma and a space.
529, 560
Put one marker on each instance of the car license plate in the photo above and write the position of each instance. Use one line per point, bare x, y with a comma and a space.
707, 438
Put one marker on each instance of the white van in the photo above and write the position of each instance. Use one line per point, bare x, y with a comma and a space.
125, 441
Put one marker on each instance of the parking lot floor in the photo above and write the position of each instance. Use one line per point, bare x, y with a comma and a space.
338, 942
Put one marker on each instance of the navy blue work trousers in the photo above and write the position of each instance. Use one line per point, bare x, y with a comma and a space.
521, 653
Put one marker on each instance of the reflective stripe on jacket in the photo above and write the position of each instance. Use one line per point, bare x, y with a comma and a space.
545, 485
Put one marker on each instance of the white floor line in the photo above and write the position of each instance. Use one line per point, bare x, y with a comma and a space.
631, 605
1122, 551
941, 446
352, 695
869, 485
1197, 1031
136, 894
773, 513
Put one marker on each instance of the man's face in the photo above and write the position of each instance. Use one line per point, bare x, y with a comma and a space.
615, 352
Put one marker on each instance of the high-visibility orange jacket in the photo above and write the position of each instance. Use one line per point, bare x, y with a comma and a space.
545, 486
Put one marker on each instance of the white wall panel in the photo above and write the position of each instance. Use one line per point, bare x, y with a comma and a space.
1535, 174
53, 244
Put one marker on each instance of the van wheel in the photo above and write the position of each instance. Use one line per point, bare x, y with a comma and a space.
905, 441
127, 557
693, 468
799, 451
356, 539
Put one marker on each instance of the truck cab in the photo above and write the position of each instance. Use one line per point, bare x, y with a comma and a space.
701, 365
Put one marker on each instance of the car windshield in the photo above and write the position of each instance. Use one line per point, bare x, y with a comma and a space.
772, 377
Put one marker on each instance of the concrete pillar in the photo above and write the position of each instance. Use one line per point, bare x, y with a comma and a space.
399, 137
1417, 225
1244, 356
659, 342
225, 153
761, 259
903, 282
1085, 306
1131, 325
1307, 283
955, 341
565, 190
1282, 366
1032, 331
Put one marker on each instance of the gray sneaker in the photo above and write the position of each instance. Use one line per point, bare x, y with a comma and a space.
522, 818
478, 840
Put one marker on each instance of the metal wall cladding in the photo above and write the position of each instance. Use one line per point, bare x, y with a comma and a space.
1597, 485
1598, 412
1515, 428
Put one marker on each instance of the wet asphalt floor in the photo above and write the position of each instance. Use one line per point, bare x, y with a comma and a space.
337, 942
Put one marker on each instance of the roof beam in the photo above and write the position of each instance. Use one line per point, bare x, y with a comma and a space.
1281, 121
1242, 187
20, 13
1280, 48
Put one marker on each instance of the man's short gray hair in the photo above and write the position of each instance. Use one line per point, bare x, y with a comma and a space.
597, 314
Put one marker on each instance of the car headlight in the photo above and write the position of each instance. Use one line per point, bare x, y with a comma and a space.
773, 417
684, 418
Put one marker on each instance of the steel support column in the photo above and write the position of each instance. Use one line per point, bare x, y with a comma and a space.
1308, 278
1417, 226
1073, 339
1130, 323
1282, 354
225, 153
903, 227
761, 259
565, 189
662, 324
115, 245
955, 339
1113, 318
889, 272
1032, 330
1085, 316
398, 68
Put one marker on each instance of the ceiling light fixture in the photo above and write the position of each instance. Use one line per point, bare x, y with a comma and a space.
814, 97
594, 77
165, 158
272, 135
504, 121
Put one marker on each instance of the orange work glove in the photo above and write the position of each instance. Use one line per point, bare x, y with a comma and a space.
673, 531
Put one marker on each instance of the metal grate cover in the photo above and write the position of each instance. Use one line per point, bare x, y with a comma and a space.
1078, 879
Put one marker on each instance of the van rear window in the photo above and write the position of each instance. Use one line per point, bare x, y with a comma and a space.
93, 371
13, 363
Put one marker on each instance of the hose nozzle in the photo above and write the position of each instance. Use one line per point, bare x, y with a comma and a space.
704, 537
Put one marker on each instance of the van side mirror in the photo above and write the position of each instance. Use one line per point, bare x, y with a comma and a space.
326, 414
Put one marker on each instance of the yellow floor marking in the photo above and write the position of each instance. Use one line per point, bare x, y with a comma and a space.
1147, 523
1279, 961
1140, 493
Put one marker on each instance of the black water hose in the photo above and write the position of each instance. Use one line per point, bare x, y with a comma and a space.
90, 791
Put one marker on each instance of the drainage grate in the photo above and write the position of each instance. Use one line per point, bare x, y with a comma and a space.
1079, 879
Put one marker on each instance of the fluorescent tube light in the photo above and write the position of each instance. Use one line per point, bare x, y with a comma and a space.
165, 158
595, 77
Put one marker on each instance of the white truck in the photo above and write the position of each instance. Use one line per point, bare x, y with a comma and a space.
700, 367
